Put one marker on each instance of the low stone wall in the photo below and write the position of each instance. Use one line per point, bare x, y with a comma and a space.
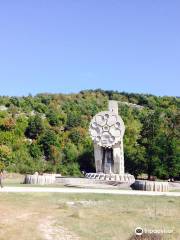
40, 179
150, 186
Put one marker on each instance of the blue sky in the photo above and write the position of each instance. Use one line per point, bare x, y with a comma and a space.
70, 45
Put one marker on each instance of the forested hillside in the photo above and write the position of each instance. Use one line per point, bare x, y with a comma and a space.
49, 132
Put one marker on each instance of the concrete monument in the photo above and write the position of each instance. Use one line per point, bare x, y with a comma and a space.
107, 131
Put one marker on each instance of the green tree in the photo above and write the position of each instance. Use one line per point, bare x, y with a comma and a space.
35, 127
55, 155
73, 119
70, 153
150, 134
47, 140
5, 155
35, 150
53, 118
133, 151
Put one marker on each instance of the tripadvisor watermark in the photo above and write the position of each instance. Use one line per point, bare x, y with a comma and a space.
139, 231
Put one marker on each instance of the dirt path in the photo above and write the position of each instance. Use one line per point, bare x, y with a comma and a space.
86, 190
51, 231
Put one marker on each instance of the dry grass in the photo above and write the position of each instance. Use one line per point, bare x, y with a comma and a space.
147, 237
84, 216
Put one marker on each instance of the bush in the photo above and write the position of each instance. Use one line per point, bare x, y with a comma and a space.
35, 127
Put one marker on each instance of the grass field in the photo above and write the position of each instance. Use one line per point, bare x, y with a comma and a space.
53, 216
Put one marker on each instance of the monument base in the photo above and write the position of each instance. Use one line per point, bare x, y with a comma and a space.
146, 185
125, 178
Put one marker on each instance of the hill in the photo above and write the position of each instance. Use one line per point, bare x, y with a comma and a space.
49, 132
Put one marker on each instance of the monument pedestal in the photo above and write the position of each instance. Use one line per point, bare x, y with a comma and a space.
121, 178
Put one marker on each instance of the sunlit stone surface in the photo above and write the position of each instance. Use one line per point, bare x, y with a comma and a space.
107, 131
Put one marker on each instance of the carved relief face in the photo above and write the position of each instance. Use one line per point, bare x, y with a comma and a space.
106, 129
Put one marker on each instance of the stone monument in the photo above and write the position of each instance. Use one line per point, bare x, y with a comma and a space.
107, 131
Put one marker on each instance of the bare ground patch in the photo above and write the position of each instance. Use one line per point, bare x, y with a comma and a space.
51, 231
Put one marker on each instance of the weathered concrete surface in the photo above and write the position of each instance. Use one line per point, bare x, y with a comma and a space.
107, 131
40, 179
151, 186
